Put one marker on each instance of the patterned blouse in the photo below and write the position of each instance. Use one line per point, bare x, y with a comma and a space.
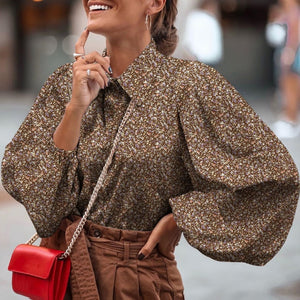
192, 146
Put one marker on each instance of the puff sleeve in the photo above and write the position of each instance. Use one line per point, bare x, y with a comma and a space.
245, 183
34, 171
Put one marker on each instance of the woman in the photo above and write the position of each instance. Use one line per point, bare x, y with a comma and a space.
193, 157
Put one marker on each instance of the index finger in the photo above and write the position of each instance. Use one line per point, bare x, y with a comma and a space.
79, 46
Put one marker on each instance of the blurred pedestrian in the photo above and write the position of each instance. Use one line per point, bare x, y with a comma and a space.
178, 150
289, 80
203, 38
276, 37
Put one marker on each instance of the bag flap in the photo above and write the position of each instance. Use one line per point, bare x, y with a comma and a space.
33, 260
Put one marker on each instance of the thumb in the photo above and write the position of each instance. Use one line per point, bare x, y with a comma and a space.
148, 247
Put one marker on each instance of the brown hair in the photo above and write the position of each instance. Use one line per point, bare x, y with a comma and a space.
163, 30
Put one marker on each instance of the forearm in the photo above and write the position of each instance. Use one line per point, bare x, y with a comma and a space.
89, 76
67, 133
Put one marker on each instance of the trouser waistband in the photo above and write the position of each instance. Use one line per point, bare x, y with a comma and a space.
114, 234
124, 243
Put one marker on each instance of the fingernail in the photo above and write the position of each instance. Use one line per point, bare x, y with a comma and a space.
110, 69
85, 28
141, 256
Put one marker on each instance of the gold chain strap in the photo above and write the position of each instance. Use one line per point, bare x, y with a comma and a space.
32, 239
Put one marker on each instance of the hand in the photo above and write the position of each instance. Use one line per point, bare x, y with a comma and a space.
166, 234
86, 86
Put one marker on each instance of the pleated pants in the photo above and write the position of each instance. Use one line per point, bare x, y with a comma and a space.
105, 266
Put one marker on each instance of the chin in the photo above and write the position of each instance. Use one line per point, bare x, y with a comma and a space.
95, 28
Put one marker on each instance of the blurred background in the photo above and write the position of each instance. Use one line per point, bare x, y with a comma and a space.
253, 43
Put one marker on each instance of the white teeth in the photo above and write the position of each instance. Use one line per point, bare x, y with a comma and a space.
99, 7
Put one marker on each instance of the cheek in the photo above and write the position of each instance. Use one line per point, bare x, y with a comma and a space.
132, 16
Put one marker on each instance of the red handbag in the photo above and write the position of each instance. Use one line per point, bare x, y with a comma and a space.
39, 273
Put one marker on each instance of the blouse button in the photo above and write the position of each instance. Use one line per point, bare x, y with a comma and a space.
97, 233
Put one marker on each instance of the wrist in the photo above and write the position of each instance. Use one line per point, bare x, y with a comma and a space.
74, 109
173, 222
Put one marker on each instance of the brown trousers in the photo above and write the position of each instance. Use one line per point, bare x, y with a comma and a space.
105, 265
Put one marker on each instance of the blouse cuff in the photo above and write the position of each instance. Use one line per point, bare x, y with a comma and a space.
226, 229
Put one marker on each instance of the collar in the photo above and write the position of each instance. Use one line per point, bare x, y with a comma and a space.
139, 78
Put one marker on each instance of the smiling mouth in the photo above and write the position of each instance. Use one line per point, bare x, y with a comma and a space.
95, 7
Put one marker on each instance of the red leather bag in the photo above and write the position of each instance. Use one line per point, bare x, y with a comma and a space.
39, 273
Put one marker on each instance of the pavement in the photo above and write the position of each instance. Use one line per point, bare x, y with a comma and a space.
204, 278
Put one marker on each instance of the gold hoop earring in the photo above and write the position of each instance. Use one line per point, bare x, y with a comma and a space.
148, 26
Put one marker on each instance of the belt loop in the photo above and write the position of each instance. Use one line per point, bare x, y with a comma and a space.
126, 250
87, 227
